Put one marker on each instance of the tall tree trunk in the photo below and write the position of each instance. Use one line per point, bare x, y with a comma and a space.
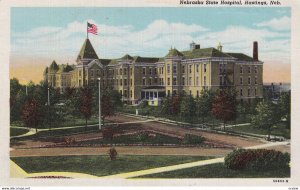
224, 125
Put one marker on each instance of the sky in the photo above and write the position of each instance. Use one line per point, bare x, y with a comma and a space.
40, 35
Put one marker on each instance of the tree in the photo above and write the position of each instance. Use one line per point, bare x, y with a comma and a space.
31, 114
266, 117
107, 107
166, 106
86, 104
175, 104
284, 104
224, 106
204, 104
187, 107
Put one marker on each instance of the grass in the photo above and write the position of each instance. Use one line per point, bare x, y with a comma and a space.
60, 132
17, 131
279, 130
220, 171
100, 165
134, 139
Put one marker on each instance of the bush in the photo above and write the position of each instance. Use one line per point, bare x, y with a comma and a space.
193, 139
260, 159
143, 136
113, 153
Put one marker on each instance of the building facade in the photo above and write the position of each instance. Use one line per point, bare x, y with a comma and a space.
138, 78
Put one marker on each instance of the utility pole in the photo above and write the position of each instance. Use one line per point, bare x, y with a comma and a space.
99, 80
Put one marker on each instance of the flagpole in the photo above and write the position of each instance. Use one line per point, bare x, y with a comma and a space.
87, 34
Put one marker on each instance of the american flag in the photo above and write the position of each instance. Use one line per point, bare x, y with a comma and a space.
92, 28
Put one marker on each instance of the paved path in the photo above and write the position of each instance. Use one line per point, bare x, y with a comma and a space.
187, 165
31, 131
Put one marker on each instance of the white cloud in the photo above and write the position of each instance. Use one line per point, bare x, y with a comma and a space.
283, 23
153, 40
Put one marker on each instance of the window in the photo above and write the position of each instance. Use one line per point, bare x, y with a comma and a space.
155, 80
249, 80
155, 71
121, 92
144, 81
183, 68
190, 80
241, 92
162, 81
197, 93
190, 68
183, 81
255, 69
162, 70
220, 68
249, 91
249, 69
121, 82
168, 92
197, 68
131, 82
144, 71
150, 81
80, 73
255, 80
125, 71
150, 71
174, 69
190, 92
168, 81
125, 82
241, 80
131, 93
131, 71
204, 81
168, 68
174, 81
121, 70
92, 73
241, 69
125, 93
197, 80
204, 68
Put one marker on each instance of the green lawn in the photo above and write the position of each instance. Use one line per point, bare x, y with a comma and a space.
279, 130
100, 165
17, 131
220, 171
134, 139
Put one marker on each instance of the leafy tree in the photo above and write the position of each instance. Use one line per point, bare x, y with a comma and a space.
107, 107
204, 104
267, 116
86, 104
166, 106
31, 113
16, 105
224, 106
284, 104
187, 107
175, 104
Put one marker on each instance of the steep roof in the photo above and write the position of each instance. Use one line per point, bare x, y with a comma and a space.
105, 61
64, 68
202, 53
173, 52
45, 71
53, 67
127, 57
87, 51
241, 56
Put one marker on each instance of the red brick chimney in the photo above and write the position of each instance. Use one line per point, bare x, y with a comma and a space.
255, 51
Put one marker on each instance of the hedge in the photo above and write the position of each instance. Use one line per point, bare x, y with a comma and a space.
260, 159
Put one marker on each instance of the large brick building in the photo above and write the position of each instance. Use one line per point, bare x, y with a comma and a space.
138, 78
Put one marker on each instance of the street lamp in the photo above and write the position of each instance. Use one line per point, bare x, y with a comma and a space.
48, 97
99, 81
